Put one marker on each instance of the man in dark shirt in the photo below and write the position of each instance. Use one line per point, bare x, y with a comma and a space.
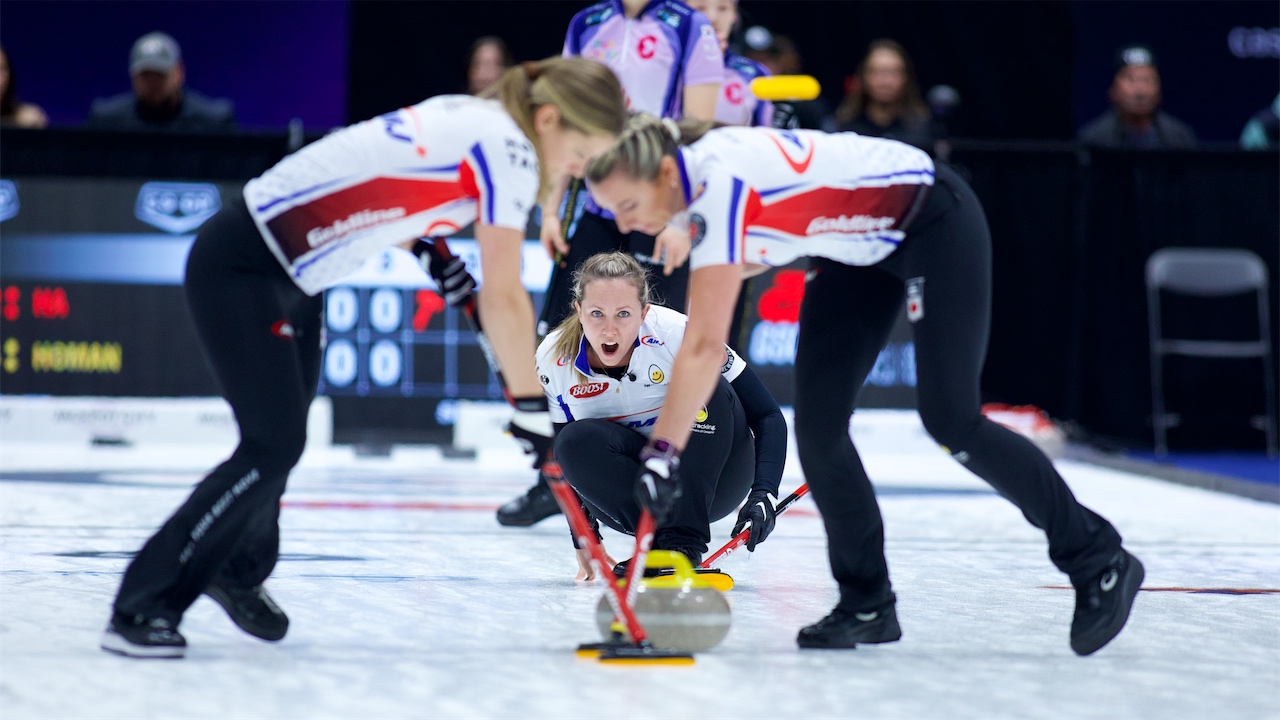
1135, 120
159, 101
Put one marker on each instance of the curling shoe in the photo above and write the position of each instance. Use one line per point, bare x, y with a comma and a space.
846, 628
1103, 603
531, 508
143, 637
252, 609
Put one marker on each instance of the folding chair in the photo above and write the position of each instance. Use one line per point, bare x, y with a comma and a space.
1208, 272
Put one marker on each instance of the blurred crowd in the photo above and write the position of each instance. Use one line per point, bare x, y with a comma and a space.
882, 97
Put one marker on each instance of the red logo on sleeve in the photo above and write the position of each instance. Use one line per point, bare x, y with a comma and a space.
733, 93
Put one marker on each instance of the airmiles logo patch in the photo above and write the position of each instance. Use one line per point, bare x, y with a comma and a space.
589, 390
697, 229
652, 341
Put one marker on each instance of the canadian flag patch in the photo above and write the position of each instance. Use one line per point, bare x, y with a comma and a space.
915, 299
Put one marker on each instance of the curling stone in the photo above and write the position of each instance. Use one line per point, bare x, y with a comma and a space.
678, 612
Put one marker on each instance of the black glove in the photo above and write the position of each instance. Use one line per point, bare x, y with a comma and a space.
533, 442
760, 513
657, 485
784, 116
455, 283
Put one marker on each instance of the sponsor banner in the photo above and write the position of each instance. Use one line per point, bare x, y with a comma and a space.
136, 421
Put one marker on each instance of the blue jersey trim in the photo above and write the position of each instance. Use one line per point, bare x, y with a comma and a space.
478, 154
684, 177
733, 218
300, 193
564, 408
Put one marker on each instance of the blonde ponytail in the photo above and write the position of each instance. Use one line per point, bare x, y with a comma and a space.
639, 150
587, 94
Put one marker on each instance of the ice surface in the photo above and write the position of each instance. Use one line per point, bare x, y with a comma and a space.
408, 600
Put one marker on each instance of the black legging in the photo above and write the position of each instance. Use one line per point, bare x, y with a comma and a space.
594, 235
845, 320
261, 335
600, 458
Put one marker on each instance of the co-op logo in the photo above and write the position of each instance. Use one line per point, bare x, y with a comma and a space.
177, 208
8, 200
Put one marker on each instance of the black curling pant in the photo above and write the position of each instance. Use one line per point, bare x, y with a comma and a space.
601, 459
845, 320
594, 235
261, 335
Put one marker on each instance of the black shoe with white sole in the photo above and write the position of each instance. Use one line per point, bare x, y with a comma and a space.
1103, 603
252, 609
846, 628
143, 637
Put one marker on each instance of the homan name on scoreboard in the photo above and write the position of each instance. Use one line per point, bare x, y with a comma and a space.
77, 357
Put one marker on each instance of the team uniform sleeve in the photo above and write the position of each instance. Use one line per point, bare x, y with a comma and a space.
769, 427
550, 380
703, 60
717, 222
505, 169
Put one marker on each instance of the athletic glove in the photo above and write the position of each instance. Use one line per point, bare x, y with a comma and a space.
533, 430
657, 484
455, 283
784, 116
760, 513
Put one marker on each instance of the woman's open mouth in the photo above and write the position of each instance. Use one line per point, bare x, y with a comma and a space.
609, 349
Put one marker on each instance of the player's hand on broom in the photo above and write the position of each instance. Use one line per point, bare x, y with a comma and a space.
536, 441
672, 246
552, 235
587, 571
758, 513
657, 485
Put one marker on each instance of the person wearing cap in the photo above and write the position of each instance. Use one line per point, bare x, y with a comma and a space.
159, 101
1135, 120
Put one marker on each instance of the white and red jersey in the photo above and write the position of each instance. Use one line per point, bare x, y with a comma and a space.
428, 169
575, 392
768, 197
737, 104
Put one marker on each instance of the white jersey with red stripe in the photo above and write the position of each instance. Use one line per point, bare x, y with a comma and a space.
769, 197
575, 392
429, 169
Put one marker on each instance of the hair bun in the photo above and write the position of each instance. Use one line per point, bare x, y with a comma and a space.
532, 68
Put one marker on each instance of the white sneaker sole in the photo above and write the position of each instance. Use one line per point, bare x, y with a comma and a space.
114, 642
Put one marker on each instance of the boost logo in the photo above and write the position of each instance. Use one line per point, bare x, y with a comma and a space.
589, 390
177, 208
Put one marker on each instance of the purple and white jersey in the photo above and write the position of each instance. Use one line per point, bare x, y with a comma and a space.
666, 47
655, 55
737, 105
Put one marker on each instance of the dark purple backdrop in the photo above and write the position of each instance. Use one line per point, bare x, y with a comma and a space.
276, 59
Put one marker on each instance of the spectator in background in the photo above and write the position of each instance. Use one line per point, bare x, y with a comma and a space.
1262, 132
884, 99
159, 101
1135, 120
778, 54
488, 57
14, 112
